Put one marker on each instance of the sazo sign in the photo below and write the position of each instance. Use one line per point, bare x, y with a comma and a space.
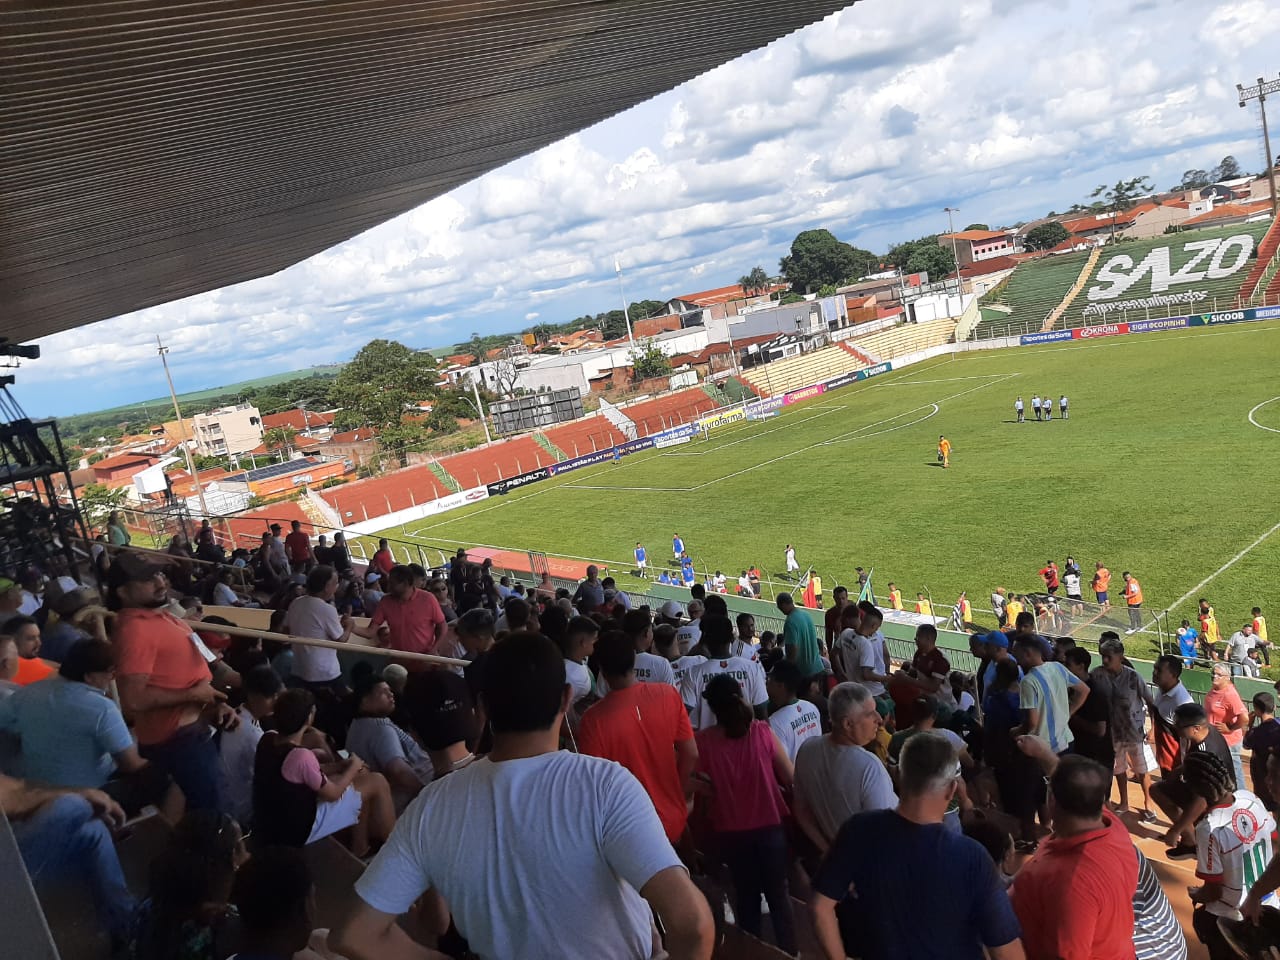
1210, 260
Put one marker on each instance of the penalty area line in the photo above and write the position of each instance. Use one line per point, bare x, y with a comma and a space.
1221, 570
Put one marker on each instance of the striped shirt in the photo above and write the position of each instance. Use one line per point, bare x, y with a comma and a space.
1044, 689
1157, 935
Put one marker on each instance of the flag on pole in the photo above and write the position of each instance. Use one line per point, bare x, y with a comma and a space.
808, 596
866, 592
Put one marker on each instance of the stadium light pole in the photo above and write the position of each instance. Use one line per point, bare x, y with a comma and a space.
182, 427
626, 314
1259, 92
954, 254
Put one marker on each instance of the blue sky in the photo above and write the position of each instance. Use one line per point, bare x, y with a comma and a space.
867, 123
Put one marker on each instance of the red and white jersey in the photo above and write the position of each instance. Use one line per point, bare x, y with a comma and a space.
748, 672
1233, 847
796, 723
651, 668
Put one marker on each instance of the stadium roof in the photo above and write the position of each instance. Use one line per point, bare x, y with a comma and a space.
158, 150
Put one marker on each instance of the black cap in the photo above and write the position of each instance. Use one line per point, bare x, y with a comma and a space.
440, 705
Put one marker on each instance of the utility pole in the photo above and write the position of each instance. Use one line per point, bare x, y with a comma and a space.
1259, 93
626, 313
954, 254
182, 427
475, 386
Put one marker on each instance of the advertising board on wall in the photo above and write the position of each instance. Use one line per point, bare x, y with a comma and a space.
518, 481
804, 393
733, 415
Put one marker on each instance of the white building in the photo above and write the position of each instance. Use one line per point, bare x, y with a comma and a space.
228, 430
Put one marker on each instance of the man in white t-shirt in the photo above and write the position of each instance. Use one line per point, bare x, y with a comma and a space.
792, 565
664, 645
650, 668
237, 748
873, 657
1048, 694
844, 651
792, 719
836, 776
315, 616
1233, 846
577, 857
690, 634
717, 637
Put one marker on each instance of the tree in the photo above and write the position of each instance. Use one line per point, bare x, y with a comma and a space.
1046, 236
383, 381
644, 309
1228, 169
280, 439
755, 282
924, 255
1121, 196
977, 226
97, 500
1194, 180
648, 361
818, 258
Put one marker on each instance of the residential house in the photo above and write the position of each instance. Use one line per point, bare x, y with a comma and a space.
1227, 214
1144, 220
972, 246
720, 303
310, 423
228, 430
118, 470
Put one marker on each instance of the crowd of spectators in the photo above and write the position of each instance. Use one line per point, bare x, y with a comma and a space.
567, 772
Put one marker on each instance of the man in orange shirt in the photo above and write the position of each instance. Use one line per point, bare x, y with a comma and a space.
1102, 586
1133, 600
26, 637
644, 727
944, 451
165, 682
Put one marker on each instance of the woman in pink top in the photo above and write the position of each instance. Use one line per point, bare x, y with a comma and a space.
745, 766
1226, 711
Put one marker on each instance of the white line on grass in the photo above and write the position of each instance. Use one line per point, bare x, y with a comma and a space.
901, 426
1259, 407
750, 436
899, 383
1222, 569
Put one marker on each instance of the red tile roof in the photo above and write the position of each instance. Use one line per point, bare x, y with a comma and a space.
976, 235
116, 461
354, 436
1104, 222
296, 420
726, 294
1228, 211
983, 267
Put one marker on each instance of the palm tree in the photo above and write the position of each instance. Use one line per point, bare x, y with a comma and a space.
280, 439
757, 281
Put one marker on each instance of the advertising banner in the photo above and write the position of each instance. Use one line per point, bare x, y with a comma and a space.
516, 482
454, 500
1103, 330
1149, 326
804, 393
676, 435
1053, 336
635, 446
875, 371
723, 419
586, 460
843, 380
759, 409
1266, 313
1225, 316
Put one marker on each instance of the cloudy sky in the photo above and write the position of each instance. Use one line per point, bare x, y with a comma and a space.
867, 123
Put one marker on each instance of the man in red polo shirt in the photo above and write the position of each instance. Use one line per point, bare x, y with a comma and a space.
638, 725
298, 546
382, 561
1074, 898
165, 681
407, 618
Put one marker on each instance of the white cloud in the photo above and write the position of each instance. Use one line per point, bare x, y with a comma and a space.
867, 123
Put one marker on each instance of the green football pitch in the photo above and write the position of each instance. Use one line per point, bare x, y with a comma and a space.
1167, 468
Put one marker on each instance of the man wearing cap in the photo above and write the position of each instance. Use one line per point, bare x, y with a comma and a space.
997, 650
165, 682
80, 616
443, 714
1172, 794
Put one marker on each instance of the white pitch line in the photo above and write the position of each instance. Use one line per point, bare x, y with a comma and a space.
900, 383
587, 486
851, 433
1222, 569
750, 436
1259, 407
901, 426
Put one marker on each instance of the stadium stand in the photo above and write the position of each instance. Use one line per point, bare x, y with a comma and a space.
1085, 272
791, 373
1031, 292
861, 355
1222, 293
377, 496
907, 338
582, 436
246, 529
662, 413
507, 458
1265, 267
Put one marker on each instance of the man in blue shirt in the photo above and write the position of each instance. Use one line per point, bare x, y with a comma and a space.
1188, 638
677, 546
686, 570
642, 560
922, 891
74, 736
665, 577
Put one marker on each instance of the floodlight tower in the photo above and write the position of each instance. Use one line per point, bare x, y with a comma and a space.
954, 254
1259, 92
